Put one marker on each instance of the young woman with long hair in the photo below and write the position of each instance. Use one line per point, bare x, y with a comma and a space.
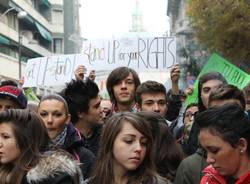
125, 155
25, 153
54, 111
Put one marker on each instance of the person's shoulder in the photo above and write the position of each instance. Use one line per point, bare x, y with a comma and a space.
158, 180
54, 165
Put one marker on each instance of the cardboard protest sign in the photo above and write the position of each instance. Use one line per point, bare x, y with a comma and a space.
141, 54
233, 75
137, 53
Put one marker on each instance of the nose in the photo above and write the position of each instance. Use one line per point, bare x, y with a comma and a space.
192, 118
123, 85
1, 144
210, 160
138, 147
156, 108
49, 119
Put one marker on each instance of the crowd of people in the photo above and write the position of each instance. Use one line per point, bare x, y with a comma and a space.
142, 134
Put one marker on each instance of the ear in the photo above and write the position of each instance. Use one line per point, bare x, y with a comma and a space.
68, 119
242, 145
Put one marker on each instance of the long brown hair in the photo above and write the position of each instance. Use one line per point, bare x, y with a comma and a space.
103, 171
167, 152
32, 139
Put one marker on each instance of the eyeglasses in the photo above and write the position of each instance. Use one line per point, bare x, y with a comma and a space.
190, 114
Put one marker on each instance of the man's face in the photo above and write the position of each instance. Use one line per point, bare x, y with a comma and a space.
154, 102
94, 114
7, 104
207, 88
124, 91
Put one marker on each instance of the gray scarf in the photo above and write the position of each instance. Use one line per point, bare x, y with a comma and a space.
60, 139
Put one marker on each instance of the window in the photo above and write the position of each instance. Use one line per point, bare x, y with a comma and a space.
58, 47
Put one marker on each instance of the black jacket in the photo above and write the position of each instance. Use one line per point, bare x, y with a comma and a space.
74, 144
174, 106
92, 143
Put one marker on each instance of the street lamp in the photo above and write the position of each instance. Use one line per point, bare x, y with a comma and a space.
20, 15
7, 11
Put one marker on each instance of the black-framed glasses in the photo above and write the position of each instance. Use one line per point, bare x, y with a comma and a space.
190, 114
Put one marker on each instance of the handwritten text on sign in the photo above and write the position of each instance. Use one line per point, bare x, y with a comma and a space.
141, 54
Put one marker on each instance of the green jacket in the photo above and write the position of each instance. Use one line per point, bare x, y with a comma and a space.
190, 169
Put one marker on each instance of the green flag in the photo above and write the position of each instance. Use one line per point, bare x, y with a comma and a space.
233, 75
31, 96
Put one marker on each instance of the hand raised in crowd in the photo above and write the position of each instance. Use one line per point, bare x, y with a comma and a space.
92, 75
80, 72
175, 73
21, 82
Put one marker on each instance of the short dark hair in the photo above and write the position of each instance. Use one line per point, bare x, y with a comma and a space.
203, 79
227, 92
78, 95
149, 87
229, 121
116, 76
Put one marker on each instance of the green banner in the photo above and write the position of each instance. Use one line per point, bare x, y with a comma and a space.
233, 75
31, 96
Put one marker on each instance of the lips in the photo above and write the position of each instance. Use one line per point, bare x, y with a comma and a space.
124, 94
135, 159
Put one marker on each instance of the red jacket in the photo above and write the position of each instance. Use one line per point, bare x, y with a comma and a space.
211, 176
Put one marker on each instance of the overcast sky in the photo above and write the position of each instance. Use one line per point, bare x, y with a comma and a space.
107, 18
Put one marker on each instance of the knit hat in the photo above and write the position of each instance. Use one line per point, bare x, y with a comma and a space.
14, 93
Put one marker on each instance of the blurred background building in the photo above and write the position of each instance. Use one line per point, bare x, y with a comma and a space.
36, 28
189, 54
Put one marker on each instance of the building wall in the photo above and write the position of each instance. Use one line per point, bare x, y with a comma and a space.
72, 38
179, 23
51, 20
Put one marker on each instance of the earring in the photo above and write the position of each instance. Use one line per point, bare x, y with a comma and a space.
241, 151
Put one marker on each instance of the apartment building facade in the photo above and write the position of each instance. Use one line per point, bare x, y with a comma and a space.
41, 32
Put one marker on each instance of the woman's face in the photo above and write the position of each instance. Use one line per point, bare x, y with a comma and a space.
9, 150
206, 89
129, 149
226, 159
53, 114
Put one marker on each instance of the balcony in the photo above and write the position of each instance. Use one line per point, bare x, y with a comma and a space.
24, 5
27, 40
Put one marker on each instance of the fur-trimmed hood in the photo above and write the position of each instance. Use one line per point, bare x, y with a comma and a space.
51, 164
